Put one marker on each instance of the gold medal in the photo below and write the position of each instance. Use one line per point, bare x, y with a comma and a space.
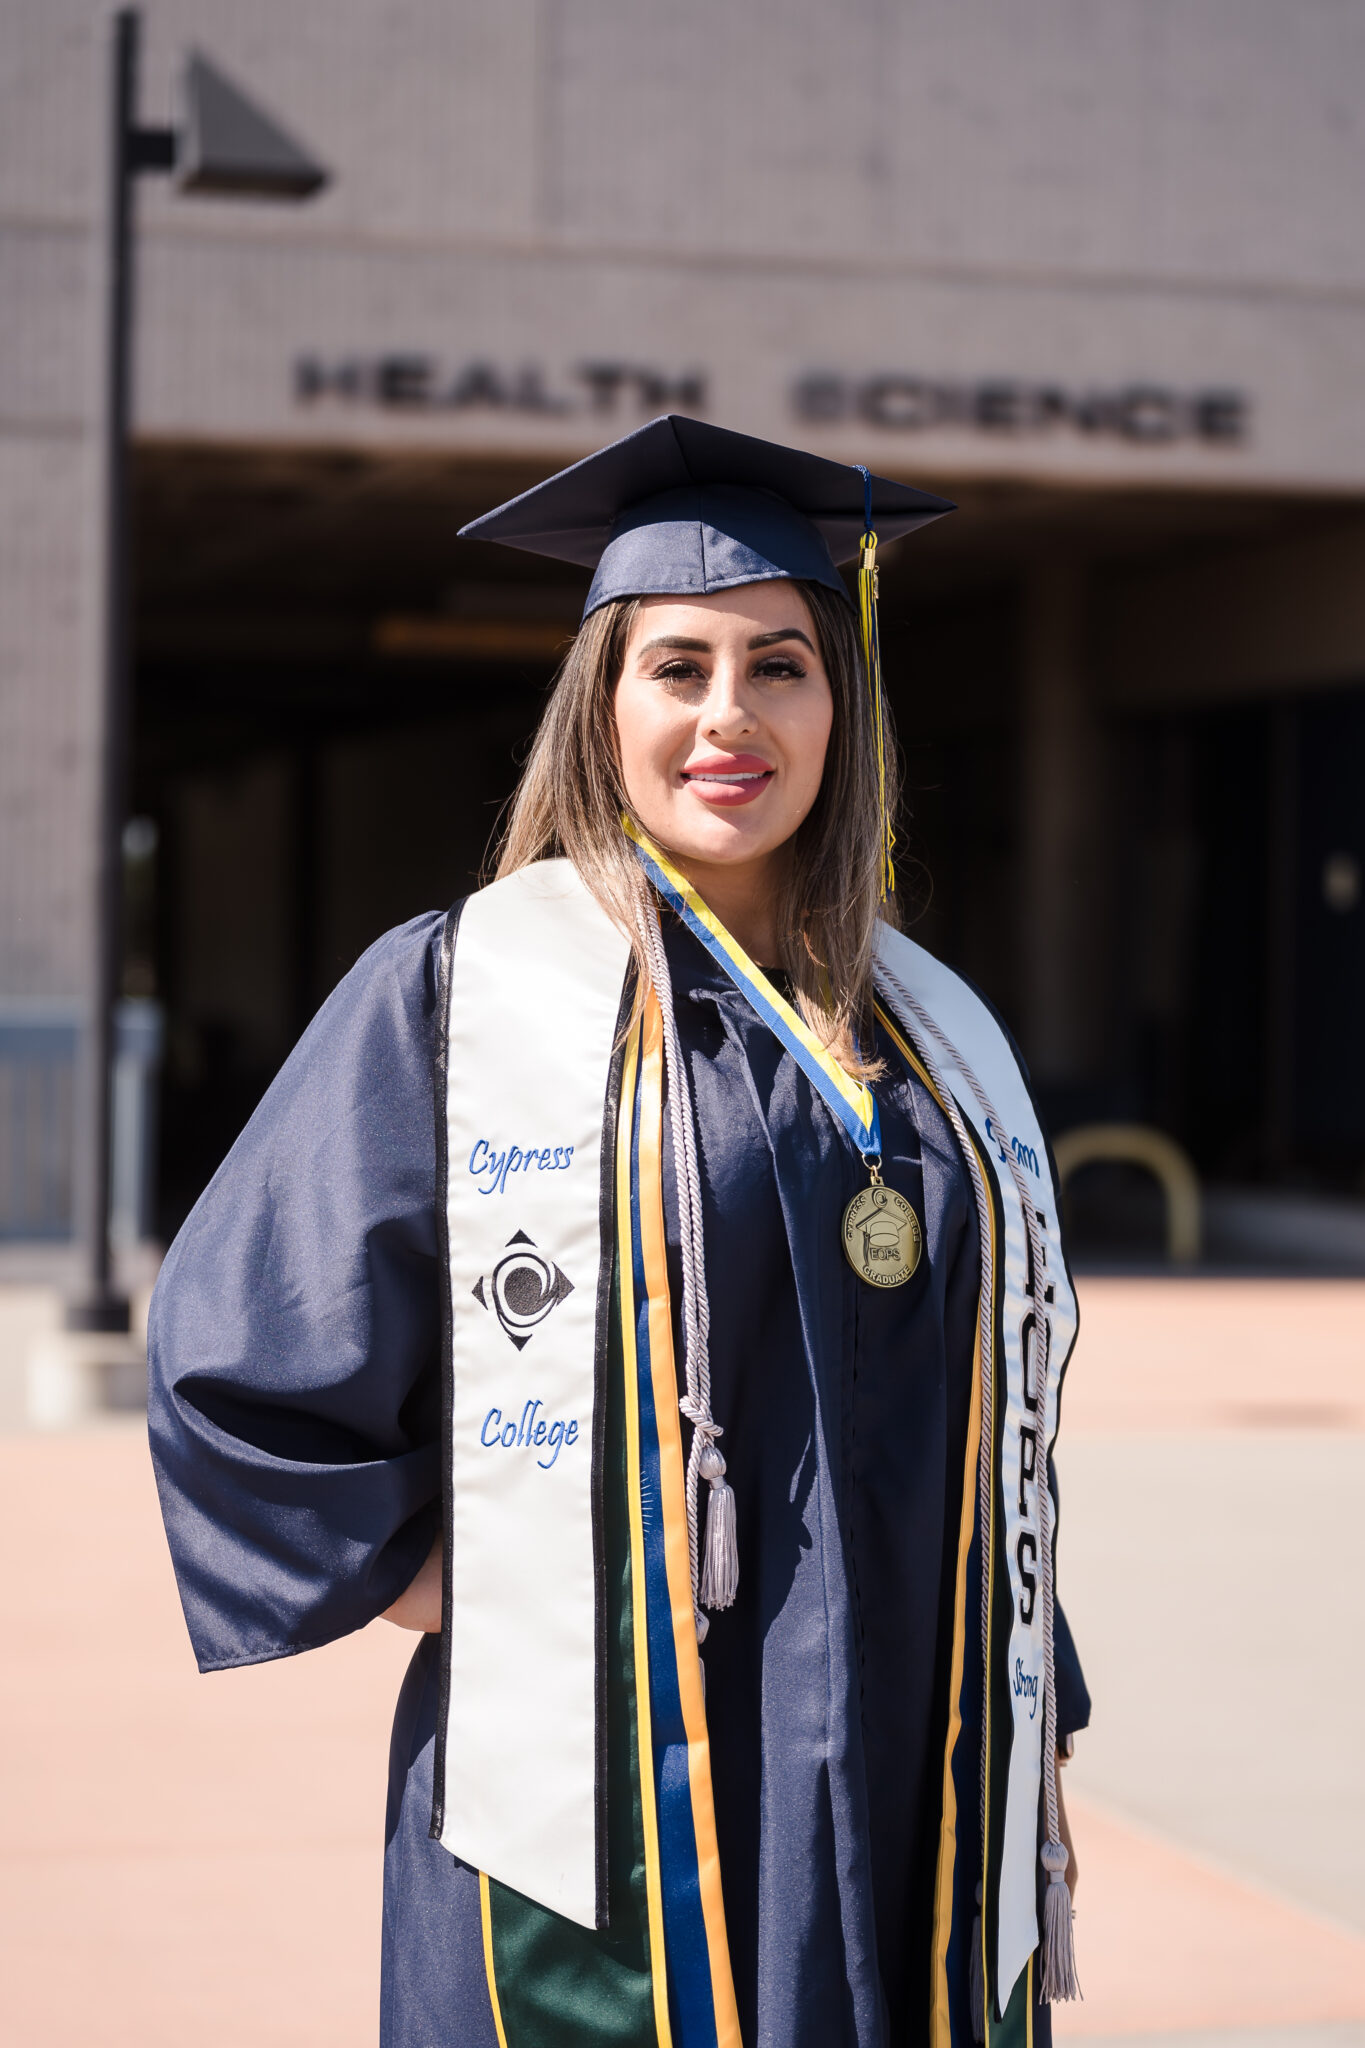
882, 1235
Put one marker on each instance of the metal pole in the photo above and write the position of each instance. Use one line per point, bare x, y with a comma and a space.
96, 1305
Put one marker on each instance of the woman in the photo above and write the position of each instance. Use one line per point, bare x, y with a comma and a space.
645, 1282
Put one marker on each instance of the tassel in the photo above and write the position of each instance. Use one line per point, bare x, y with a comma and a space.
720, 1565
1059, 1942
868, 582
977, 1975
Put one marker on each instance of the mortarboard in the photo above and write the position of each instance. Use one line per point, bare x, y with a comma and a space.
680, 508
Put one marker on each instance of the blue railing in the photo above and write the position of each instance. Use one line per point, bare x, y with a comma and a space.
37, 1090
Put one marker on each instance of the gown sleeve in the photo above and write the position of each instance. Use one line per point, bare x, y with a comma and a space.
293, 1347
1073, 1696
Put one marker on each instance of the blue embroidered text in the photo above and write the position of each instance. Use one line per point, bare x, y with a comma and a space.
487, 1165
1026, 1687
531, 1432
1025, 1154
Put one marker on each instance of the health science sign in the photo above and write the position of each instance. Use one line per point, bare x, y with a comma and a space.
1137, 412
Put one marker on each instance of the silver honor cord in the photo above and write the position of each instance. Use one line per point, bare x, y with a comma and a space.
715, 1570
1059, 1980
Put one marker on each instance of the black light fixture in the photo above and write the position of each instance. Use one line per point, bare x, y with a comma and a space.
227, 147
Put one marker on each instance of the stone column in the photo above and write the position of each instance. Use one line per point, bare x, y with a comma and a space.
1062, 938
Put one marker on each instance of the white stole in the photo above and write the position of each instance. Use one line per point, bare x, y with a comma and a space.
535, 991
970, 1027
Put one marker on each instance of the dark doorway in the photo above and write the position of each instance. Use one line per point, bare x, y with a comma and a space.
1327, 972
1244, 851
329, 720
334, 696
333, 699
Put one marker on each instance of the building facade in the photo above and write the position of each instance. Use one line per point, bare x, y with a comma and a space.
1096, 271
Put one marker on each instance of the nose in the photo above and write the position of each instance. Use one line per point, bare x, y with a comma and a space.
728, 714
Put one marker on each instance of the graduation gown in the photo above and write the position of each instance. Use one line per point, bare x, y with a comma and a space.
296, 1417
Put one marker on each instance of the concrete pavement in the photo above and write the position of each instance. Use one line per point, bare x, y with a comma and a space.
183, 1859
199, 1859
1213, 1453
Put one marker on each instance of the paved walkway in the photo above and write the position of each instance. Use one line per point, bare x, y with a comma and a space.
197, 1860
184, 1860
1213, 1449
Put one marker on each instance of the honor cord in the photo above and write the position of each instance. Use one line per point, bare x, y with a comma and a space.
715, 1578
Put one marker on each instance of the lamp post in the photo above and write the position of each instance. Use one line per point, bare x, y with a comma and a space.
225, 146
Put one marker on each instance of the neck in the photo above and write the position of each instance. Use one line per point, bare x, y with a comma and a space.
744, 898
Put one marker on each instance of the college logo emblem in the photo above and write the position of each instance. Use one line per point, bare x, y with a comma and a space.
522, 1289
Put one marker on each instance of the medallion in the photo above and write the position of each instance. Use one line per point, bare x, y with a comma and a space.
882, 1236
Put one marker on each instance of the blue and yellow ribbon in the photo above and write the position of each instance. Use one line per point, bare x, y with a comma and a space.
850, 1101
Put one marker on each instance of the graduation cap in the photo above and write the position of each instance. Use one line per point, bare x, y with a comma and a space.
680, 509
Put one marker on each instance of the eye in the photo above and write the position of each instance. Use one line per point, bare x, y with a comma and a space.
678, 669
781, 668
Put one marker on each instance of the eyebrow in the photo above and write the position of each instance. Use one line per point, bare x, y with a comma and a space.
782, 633
680, 644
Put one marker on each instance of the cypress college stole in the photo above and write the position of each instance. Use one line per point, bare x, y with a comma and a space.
572, 1726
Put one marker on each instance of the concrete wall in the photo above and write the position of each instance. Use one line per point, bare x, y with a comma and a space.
1079, 197
47, 368
711, 205
1074, 198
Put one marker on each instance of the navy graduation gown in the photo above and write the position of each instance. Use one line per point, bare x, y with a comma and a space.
295, 1419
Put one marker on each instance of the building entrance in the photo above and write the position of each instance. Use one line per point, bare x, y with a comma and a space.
334, 696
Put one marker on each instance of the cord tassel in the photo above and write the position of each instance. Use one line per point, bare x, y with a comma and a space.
868, 581
1059, 1944
714, 1559
720, 1565
977, 1976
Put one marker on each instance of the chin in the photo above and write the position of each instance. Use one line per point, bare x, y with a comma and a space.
722, 840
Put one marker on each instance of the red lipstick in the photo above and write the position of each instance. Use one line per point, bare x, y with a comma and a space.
725, 781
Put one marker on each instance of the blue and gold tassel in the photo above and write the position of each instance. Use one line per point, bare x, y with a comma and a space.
872, 662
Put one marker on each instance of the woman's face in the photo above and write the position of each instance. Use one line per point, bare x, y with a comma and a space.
724, 712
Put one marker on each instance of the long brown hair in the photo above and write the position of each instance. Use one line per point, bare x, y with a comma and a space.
571, 796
